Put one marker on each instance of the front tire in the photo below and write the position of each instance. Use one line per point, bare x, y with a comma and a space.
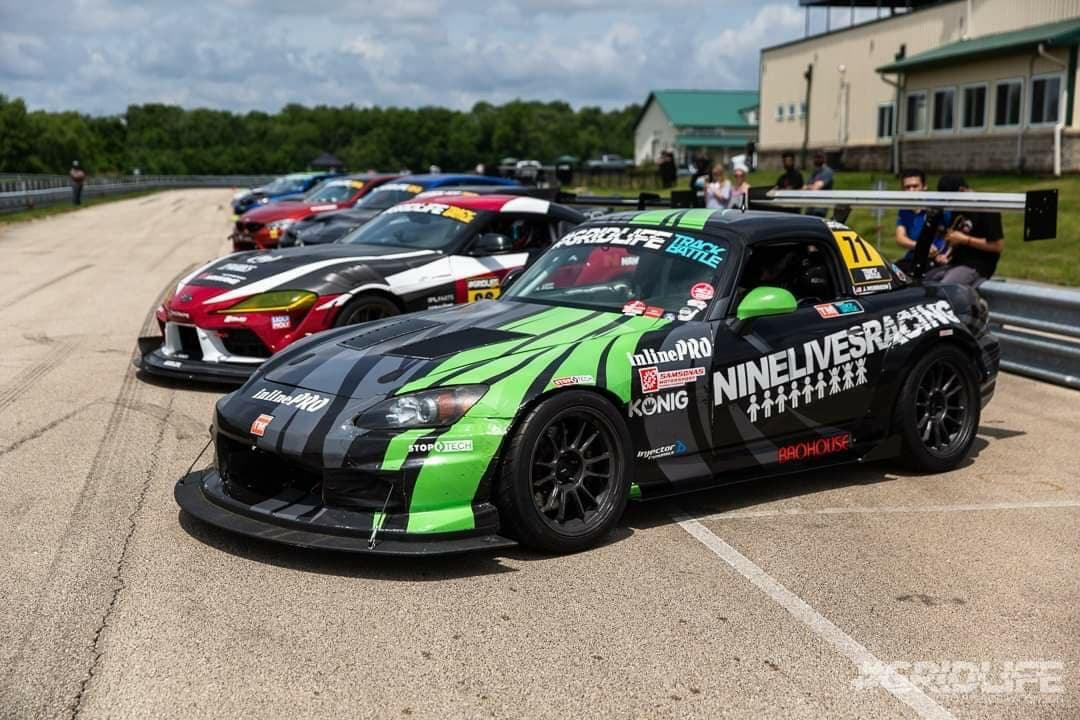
938, 411
366, 308
566, 478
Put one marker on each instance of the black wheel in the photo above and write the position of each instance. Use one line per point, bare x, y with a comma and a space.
938, 410
566, 477
365, 308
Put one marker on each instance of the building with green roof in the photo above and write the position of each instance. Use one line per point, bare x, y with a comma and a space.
717, 123
946, 86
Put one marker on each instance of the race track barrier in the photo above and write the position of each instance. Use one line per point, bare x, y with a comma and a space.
1039, 330
23, 192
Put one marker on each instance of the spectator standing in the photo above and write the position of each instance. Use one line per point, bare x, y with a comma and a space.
791, 179
78, 177
820, 179
701, 171
975, 241
740, 190
909, 225
666, 168
718, 189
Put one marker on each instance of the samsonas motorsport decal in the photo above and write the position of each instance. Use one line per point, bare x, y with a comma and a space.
823, 367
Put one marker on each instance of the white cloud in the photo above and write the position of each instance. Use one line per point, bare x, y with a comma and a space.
248, 54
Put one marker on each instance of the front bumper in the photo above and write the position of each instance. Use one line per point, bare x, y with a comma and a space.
989, 360
153, 360
300, 520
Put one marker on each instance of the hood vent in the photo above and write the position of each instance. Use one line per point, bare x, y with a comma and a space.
389, 331
443, 345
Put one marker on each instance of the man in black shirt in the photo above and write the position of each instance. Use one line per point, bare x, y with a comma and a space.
975, 242
792, 178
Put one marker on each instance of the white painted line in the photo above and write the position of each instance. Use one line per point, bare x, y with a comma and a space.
786, 512
898, 685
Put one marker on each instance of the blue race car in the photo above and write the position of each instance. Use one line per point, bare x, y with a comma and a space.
286, 187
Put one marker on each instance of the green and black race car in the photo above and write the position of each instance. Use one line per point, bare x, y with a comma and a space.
645, 354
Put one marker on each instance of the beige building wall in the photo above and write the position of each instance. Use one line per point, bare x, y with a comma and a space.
653, 134
849, 117
844, 105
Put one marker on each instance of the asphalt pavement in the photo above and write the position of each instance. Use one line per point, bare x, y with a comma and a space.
859, 592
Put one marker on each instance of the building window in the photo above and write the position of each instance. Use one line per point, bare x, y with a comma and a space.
973, 107
802, 109
886, 117
944, 105
791, 111
780, 112
1008, 95
1045, 100
915, 115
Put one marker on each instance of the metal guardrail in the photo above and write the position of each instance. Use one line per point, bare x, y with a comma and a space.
1039, 330
22, 192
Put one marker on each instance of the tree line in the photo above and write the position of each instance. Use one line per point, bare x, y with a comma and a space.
170, 140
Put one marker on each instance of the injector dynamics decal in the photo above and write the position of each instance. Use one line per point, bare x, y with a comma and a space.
823, 367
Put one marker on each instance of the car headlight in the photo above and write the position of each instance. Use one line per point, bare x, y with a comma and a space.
280, 224
277, 301
425, 409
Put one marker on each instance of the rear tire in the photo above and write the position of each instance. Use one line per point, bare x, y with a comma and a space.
937, 411
366, 308
565, 479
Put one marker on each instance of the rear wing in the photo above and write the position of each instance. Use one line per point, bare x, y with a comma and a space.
1039, 208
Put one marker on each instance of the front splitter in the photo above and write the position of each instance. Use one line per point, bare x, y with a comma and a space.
195, 497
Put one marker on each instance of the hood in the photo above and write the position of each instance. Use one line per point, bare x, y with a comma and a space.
247, 273
328, 227
467, 343
276, 211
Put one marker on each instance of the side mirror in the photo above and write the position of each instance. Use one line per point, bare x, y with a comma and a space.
510, 278
491, 244
764, 301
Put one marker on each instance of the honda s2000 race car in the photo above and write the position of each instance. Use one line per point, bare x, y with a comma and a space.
227, 317
645, 354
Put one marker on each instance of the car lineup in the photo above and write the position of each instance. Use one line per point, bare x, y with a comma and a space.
286, 187
262, 226
329, 227
470, 371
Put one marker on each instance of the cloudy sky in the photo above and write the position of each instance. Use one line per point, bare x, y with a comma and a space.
98, 56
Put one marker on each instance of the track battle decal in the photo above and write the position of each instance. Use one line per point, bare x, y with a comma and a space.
823, 367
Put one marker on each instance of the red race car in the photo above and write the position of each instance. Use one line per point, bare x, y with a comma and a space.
262, 226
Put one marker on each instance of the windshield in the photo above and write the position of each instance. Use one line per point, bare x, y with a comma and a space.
431, 226
388, 195
632, 270
286, 185
333, 192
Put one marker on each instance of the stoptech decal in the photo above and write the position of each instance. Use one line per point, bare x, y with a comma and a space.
812, 449
632, 237
676, 448
798, 376
658, 404
442, 446
307, 401
685, 349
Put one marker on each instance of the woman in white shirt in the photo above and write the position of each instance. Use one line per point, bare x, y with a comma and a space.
718, 189
740, 190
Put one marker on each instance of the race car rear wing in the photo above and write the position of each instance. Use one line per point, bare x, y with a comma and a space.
1039, 208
